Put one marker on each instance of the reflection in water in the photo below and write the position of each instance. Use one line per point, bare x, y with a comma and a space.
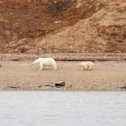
62, 109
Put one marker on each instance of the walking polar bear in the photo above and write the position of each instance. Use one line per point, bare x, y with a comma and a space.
87, 65
46, 62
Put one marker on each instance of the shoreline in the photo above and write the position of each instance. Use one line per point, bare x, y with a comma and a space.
22, 76
67, 56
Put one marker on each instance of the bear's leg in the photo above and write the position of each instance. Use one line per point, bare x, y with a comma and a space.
84, 67
54, 66
41, 66
89, 67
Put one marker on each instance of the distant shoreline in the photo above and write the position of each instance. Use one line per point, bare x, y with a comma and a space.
67, 56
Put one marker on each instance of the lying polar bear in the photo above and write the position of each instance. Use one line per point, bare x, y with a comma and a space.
46, 62
87, 65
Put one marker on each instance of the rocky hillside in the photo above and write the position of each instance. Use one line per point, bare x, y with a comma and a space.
52, 26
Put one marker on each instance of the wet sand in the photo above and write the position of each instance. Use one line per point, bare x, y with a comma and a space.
21, 75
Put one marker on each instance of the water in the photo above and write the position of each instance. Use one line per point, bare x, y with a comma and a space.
62, 109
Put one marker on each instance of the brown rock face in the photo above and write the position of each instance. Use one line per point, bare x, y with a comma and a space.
33, 26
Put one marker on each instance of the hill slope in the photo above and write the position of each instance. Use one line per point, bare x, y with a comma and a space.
63, 26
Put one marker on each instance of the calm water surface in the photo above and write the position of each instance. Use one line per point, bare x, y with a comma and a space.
62, 109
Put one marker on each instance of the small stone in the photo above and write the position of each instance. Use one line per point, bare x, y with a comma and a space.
0, 65
69, 87
45, 86
39, 85
14, 87
15, 59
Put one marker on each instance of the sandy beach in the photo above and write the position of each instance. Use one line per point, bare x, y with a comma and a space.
22, 75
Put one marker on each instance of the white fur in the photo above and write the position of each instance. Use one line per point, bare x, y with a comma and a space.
87, 65
46, 61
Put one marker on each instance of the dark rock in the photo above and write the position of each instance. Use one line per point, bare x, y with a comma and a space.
14, 87
15, 59
123, 87
45, 85
60, 84
39, 85
0, 65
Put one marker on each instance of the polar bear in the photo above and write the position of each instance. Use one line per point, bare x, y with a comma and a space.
87, 65
46, 62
